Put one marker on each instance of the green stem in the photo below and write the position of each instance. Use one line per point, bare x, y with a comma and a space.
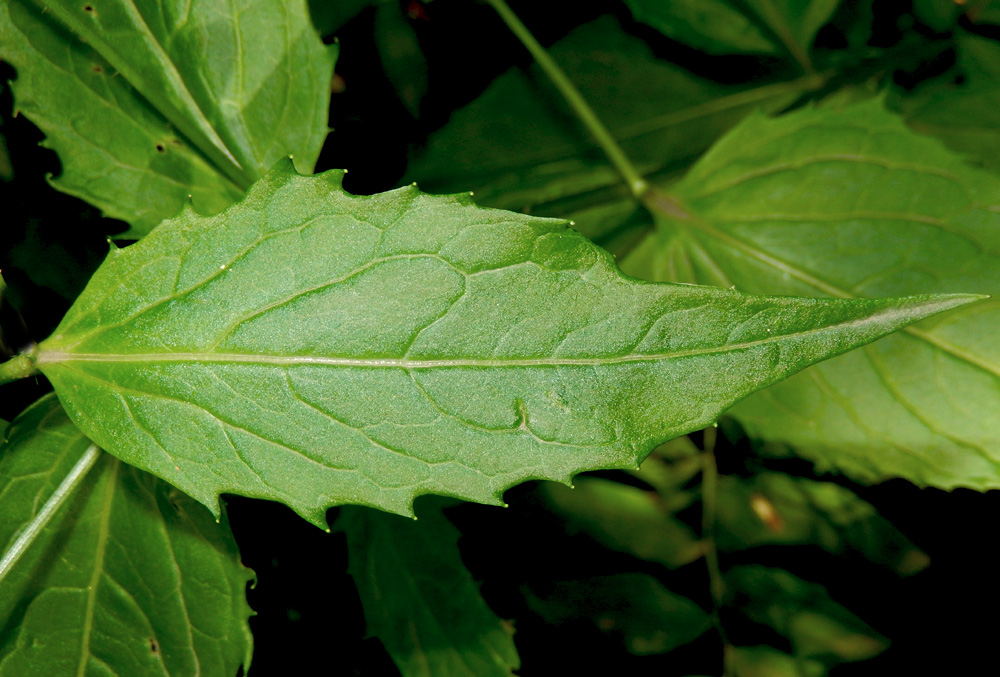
18, 367
601, 135
709, 493
51, 507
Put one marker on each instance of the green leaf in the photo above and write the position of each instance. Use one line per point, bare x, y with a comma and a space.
626, 519
816, 626
776, 508
144, 112
850, 204
731, 26
966, 117
317, 348
131, 577
419, 598
764, 661
520, 147
649, 618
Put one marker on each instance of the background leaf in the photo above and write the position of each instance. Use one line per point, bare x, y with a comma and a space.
732, 26
196, 101
849, 204
131, 577
520, 148
649, 618
420, 600
318, 348
817, 627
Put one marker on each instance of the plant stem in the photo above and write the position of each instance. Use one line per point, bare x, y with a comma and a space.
18, 367
51, 507
601, 135
709, 492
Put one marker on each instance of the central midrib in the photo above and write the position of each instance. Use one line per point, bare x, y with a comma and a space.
54, 357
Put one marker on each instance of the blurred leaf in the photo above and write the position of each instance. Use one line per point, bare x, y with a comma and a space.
965, 117
147, 115
816, 626
520, 148
419, 598
131, 577
735, 26
6, 167
402, 59
626, 519
851, 204
636, 607
765, 661
776, 508
330, 15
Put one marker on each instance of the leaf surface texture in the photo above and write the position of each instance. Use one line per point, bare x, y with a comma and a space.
148, 103
131, 577
853, 204
317, 348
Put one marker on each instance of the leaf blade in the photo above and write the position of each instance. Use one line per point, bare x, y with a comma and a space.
74, 600
320, 348
851, 204
420, 600
171, 107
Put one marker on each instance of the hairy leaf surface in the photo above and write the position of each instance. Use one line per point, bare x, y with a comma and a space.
419, 598
149, 103
520, 147
851, 204
317, 348
130, 578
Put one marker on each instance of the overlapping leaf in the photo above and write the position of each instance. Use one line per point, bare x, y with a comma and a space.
420, 600
148, 104
130, 578
520, 148
318, 348
733, 26
851, 204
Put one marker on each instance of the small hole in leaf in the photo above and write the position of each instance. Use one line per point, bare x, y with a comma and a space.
88, 8
160, 148
154, 646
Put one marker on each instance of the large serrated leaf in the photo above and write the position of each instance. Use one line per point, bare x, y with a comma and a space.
152, 105
130, 578
317, 348
420, 600
850, 204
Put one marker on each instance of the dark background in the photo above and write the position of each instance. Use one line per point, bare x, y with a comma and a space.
940, 621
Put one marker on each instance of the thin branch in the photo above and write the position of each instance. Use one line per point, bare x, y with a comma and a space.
18, 367
580, 107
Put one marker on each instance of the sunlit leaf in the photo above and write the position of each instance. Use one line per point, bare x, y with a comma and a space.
317, 348
852, 204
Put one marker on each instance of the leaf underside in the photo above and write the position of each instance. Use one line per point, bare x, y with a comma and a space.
852, 204
317, 348
130, 578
